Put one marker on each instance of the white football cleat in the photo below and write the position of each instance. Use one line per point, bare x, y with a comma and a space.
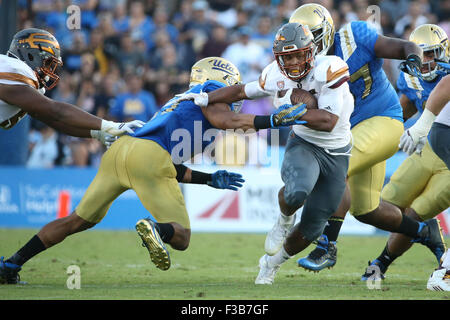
276, 236
439, 281
266, 273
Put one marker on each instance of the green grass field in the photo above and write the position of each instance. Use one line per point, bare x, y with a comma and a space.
215, 267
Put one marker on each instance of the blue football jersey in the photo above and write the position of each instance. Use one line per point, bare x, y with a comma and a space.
374, 94
415, 89
180, 126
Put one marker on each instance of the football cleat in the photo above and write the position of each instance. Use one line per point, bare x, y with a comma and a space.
276, 236
9, 272
439, 280
371, 274
430, 235
266, 273
148, 232
323, 256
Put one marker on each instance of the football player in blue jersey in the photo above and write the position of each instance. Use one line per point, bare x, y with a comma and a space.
377, 124
150, 162
420, 187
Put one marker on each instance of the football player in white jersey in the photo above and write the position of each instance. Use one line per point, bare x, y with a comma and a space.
317, 153
26, 71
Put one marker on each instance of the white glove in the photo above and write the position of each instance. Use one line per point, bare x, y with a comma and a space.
105, 138
200, 99
417, 134
118, 129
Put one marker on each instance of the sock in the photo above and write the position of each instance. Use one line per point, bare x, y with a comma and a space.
279, 258
333, 228
386, 258
28, 251
166, 231
409, 227
287, 219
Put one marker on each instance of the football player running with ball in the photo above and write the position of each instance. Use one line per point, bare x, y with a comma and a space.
26, 71
317, 154
377, 124
150, 162
420, 187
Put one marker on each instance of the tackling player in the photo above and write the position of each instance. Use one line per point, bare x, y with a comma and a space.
420, 187
28, 69
376, 127
145, 161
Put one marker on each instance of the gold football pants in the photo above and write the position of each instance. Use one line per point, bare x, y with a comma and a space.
141, 165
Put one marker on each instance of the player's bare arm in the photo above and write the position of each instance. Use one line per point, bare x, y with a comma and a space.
319, 119
439, 97
65, 117
221, 117
48, 110
394, 48
409, 109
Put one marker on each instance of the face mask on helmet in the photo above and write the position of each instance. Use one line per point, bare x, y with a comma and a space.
297, 64
429, 65
47, 74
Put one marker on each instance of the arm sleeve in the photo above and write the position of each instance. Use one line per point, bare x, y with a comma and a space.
253, 90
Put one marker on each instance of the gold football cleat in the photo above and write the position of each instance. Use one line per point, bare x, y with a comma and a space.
152, 241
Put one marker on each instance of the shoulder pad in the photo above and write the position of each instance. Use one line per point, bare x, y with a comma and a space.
331, 70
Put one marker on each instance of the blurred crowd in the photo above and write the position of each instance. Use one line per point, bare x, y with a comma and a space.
131, 56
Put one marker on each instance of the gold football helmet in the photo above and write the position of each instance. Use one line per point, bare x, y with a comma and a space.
434, 42
319, 21
214, 68
219, 69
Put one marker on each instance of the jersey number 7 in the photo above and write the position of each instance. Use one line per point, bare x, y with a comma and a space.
363, 72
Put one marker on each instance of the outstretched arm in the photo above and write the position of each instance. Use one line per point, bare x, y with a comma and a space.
221, 179
62, 116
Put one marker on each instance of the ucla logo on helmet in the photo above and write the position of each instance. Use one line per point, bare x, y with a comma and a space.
220, 65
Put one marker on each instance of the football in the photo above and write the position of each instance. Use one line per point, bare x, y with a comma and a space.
300, 95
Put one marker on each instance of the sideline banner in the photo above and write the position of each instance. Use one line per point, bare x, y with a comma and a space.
30, 198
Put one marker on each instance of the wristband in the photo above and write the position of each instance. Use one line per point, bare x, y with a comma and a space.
424, 123
262, 122
198, 177
181, 170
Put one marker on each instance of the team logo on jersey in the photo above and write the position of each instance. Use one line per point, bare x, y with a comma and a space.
280, 85
419, 94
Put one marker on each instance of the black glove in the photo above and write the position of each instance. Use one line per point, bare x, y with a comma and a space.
412, 65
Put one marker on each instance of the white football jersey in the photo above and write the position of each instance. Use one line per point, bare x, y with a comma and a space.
444, 116
14, 72
328, 82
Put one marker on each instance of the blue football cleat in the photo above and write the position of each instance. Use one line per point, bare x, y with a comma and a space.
430, 235
323, 256
9, 272
371, 271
